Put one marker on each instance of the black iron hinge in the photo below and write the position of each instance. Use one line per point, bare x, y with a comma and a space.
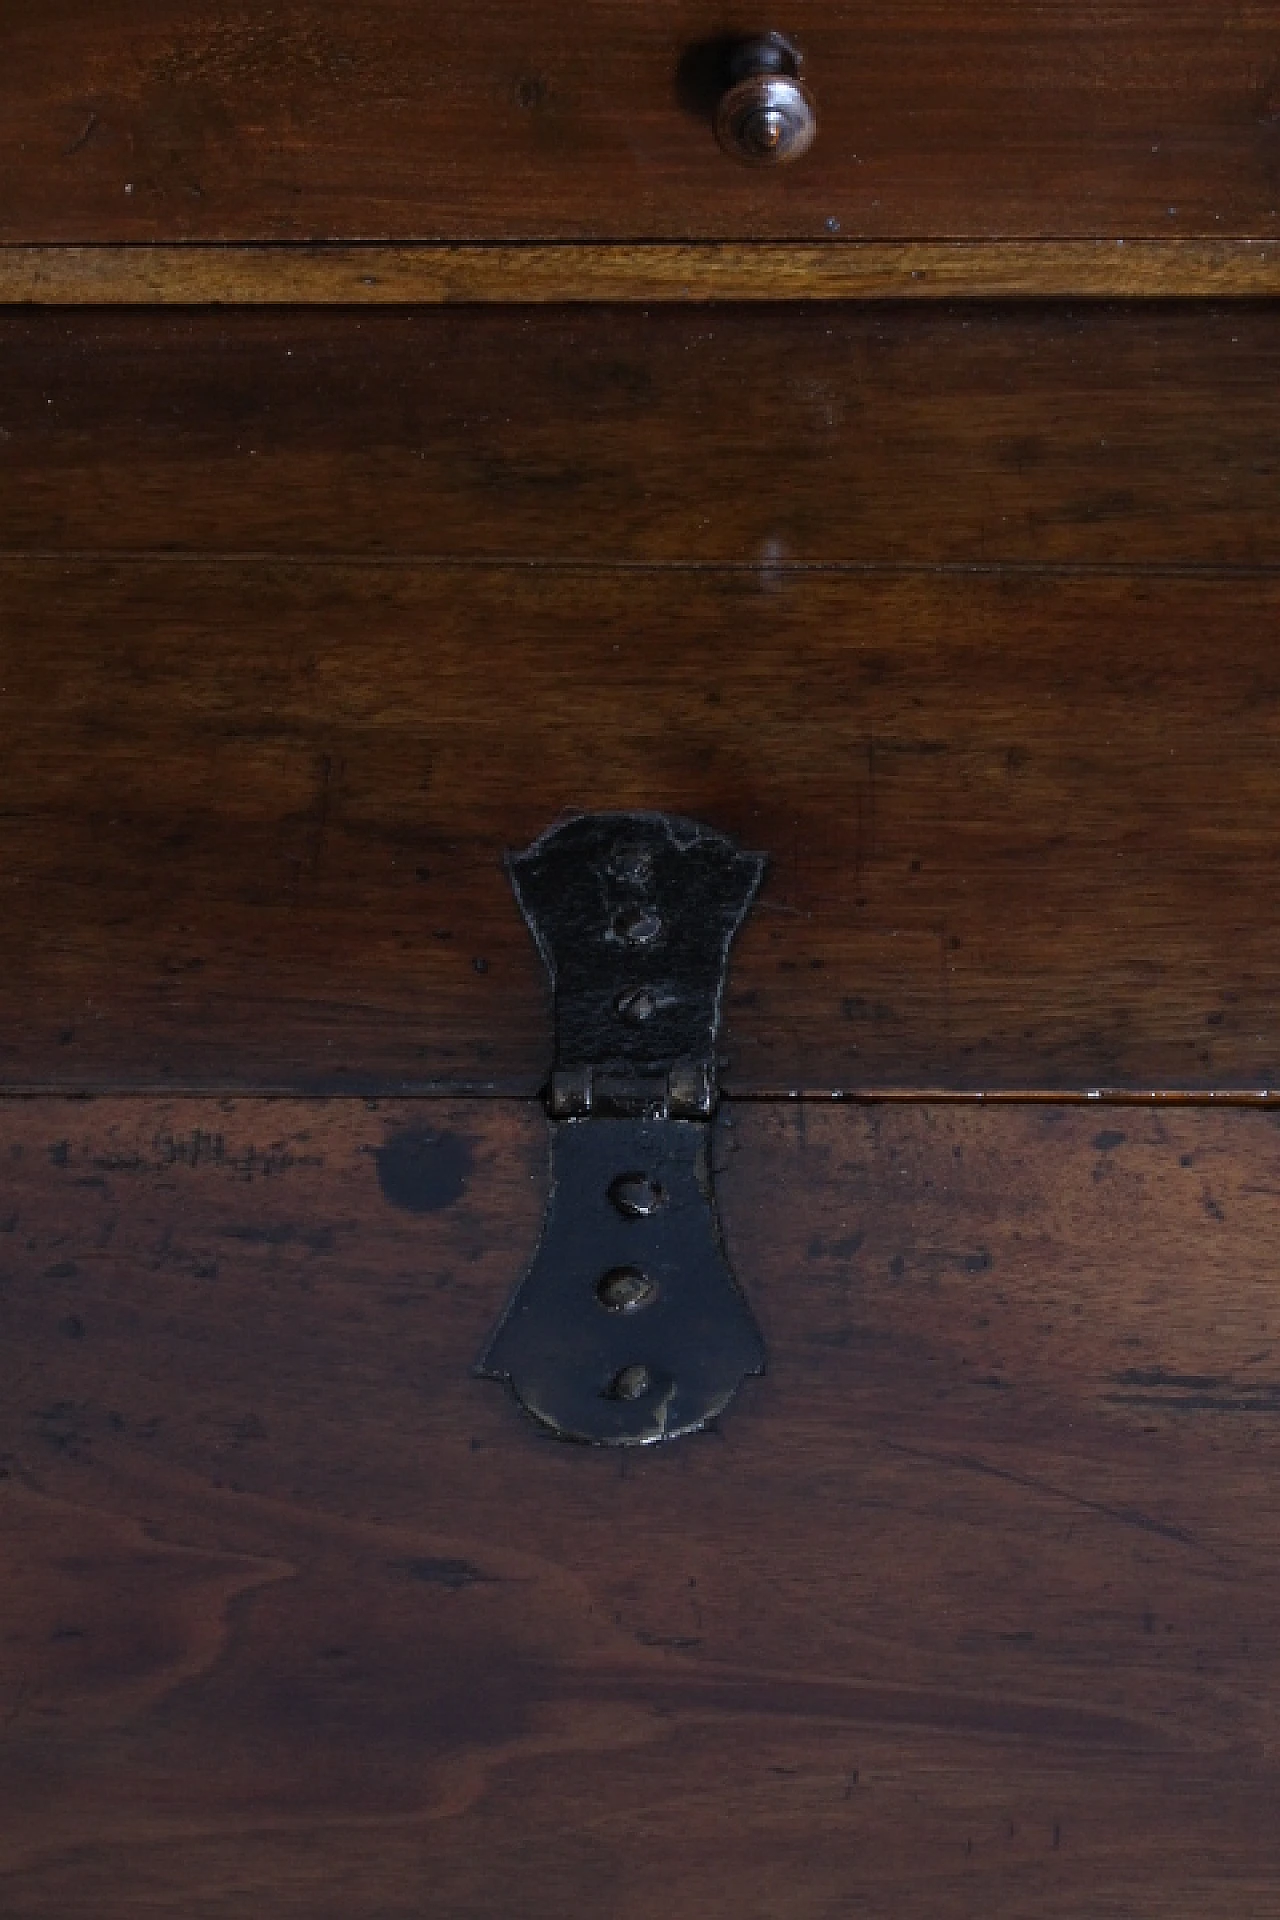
629, 1326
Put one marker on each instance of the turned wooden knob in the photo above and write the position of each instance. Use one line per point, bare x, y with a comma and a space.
766, 118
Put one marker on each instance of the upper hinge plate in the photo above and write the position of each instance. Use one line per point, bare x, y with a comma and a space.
633, 914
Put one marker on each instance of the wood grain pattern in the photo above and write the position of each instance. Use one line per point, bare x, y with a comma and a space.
1021, 827
967, 1611
975, 436
165, 120
329, 274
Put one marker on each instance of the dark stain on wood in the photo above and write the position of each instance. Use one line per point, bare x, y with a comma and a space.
453, 1574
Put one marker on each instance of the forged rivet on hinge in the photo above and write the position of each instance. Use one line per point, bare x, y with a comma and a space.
633, 915
636, 927
636, 1195
631, 1384
637, 1004
626, 1290
633, 866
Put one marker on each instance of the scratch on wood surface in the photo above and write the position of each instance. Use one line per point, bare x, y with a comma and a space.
83, 138
1123, 1516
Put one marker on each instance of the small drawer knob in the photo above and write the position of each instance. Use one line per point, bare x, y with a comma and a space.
767, 117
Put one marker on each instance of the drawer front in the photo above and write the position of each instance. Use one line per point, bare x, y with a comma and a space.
167, 120
966, 620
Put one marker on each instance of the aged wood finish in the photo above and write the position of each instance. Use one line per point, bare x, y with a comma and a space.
968, 1611
976, 436
965, 615
330, 274
166, 120
1021, 826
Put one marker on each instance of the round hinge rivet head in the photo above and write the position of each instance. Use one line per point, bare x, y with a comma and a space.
626, 1290
633, 866
636, 1005
631, 1384
637, 1195
637, 928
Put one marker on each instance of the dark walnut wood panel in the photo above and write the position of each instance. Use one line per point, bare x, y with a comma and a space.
846, 436
154, 120
968, 1610
1022, 828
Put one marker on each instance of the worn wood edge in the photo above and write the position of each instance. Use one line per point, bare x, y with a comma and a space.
88, 1092
531, 275
1007, 1097
307, 561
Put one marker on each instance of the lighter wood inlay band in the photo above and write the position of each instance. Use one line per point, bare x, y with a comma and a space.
532, 274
